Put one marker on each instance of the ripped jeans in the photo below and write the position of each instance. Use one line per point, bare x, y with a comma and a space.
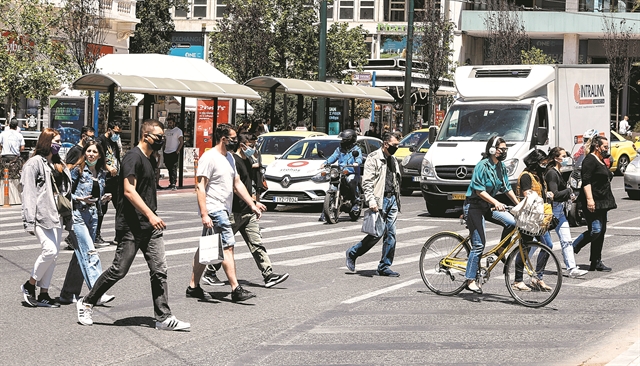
85, 263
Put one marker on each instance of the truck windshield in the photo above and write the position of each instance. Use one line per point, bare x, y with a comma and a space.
478, 122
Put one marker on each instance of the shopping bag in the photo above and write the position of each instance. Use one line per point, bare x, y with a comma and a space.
373, 224
210, 248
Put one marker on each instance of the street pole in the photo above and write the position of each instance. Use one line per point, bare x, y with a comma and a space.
321, 122
406, 111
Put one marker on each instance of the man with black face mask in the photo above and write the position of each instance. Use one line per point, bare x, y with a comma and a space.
110, 142
74, 153
344, 155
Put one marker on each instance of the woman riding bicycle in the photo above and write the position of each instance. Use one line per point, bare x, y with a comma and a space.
489, 179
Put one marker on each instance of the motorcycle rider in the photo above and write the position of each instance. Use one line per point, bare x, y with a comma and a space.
344, 156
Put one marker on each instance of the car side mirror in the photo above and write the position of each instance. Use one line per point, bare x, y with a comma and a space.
433, 132
278, 156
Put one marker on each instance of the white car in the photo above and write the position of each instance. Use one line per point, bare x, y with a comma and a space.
294, 177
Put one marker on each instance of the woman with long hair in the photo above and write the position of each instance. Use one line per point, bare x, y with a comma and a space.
561, 195
44, 176
88, 176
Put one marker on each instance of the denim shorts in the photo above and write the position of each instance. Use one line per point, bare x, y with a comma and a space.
222, 225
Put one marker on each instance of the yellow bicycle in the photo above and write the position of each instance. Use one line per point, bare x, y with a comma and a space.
443, 262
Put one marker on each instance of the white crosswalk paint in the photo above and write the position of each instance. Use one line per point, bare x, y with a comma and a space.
381, 291
613, 279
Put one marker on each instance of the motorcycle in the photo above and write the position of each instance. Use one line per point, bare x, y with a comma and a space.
339, 197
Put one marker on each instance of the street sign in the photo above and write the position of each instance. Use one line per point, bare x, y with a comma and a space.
363, 76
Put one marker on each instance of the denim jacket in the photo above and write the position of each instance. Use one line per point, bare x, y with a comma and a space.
38, 205
346, 158
84, 184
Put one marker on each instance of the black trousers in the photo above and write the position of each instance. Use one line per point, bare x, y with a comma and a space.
171, 162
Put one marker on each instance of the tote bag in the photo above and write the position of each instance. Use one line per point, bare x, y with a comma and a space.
373, 224
210, 248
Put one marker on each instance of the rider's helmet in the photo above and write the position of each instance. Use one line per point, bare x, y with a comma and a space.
348, 137
589, 134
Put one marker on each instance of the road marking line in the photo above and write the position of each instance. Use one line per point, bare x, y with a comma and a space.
614, 279
634, 228
381, 291
625, 221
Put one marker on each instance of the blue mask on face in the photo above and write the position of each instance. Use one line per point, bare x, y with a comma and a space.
565, 161
249, 151
115, 137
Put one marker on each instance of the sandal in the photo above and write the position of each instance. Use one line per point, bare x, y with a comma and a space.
520, 286
540, 285
473, 287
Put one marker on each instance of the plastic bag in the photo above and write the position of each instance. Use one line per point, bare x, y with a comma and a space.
373, 224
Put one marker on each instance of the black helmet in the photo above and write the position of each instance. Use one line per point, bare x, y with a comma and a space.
348, 137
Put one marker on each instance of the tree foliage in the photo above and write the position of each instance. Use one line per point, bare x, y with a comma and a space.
33, 63
434, 41
536, 56
620, 50
506, 35
295, 39
344, 45
153, 34
85, 29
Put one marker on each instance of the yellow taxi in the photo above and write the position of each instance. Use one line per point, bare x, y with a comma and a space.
622, 152
272, 144
412, 140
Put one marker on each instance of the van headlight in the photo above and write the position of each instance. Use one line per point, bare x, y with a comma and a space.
427, 169
512, 166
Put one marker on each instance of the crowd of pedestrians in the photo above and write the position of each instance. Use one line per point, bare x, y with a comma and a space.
226, 191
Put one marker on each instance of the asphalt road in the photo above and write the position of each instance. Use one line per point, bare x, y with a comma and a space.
322, 314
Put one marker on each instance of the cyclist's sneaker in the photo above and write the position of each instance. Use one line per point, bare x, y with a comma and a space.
212, 279
240, 294
172, 323
29, 294
85, 312
197, 292
520, 286
274, 279
105, 299
540, 285
351, 263
576, 272
45, 301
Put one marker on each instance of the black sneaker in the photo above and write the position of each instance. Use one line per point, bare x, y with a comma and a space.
172, 187
99, 241
197, 292
69, 243
274, 279
45, 301
240, 294
212, 279
29, 294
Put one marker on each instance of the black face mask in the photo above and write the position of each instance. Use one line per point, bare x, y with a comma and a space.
392, 149
156, 144
605, 154
502, 157
232, 145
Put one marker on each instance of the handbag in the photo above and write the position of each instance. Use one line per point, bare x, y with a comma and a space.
210, 248
63, 204
373, 224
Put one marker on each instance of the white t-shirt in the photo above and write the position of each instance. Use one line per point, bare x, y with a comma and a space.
173, 140
624, 127
221, 172
11, 140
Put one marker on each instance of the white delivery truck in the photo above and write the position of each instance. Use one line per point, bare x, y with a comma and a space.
530, 106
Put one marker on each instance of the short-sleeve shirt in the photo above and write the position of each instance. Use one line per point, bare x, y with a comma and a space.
73, 154
221, 172
112, 153
243, 167
173, 140
143, 168
489, 177
11, 140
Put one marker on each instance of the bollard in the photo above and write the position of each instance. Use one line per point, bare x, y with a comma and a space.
6, 188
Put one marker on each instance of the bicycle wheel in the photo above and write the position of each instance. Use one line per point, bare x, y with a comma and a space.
438, 276
539, 272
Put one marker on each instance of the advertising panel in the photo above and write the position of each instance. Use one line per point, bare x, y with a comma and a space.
68, 115
204, 122
187, 44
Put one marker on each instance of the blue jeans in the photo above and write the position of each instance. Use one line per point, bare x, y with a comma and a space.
85, 263
596, 228
564, 235
389, 211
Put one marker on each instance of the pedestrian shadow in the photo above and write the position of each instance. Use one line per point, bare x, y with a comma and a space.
365, 273
219, 297
133, 321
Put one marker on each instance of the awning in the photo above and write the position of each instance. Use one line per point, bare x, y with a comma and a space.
318, 89
164, 86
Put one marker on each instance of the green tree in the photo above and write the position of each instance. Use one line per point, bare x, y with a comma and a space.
33, 64
85, 29
536, 56
434, 41
506, 35
153, 33
344, 45
294, 51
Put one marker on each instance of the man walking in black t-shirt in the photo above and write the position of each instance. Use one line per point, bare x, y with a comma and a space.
87, 134
110, 143
139, 228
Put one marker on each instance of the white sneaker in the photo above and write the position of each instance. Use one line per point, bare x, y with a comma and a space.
105, 299
85, 311
171, 323
577, 272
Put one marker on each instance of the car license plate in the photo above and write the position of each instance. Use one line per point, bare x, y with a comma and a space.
416, 179
285, 199
458, 196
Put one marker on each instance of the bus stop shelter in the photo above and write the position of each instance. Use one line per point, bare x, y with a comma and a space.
320, 89
152, 86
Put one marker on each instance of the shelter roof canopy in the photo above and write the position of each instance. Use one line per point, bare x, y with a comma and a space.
318, 88
164, 86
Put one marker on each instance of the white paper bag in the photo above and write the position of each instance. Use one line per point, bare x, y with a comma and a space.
373, 224
210, 248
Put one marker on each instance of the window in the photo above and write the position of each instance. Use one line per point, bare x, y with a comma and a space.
181, 13
366, 9
396, 10
345, 12
199, 8
221, 8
